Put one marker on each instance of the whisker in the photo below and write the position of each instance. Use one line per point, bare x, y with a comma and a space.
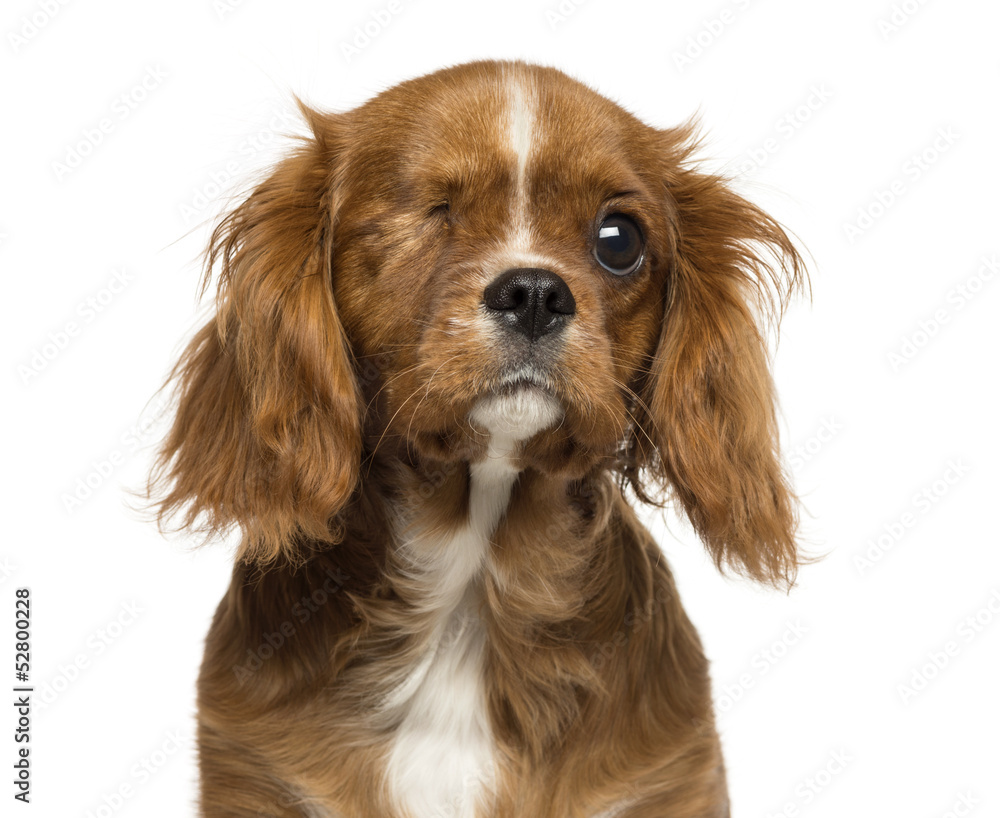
395, 377
385, 431
427, 390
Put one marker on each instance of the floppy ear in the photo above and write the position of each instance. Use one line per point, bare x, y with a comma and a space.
267, 434
709, 399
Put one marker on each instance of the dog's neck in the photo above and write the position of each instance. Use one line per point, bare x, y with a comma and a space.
456, 593
446, 538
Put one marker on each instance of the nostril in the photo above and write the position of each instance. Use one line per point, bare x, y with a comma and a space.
505, 294
560, 300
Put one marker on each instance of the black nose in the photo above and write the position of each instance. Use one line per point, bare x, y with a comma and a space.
531, 301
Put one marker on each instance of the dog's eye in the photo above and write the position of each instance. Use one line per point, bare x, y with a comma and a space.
619, 245
441, 210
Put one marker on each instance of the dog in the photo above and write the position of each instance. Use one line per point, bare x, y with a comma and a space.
460, 332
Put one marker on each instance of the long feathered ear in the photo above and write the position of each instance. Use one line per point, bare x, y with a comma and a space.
267, 434
709, 399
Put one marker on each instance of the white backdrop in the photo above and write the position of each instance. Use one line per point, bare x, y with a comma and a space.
868, 128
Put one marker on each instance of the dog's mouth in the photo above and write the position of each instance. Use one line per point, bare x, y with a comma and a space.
557, 421
525, 378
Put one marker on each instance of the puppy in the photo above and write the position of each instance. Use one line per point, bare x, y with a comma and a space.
456, 329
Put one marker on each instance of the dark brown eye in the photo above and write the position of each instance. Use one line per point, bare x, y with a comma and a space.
619, 245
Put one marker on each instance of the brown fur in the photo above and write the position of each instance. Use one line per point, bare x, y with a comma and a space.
330, 395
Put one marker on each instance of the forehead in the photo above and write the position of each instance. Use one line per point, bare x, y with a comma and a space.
501, 127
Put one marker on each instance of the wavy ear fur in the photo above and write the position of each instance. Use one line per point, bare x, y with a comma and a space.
709, 399
267, 431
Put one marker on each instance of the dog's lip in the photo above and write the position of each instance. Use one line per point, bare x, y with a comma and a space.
524, 379
525, 375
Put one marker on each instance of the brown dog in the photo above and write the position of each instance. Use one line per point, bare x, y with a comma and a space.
453, 327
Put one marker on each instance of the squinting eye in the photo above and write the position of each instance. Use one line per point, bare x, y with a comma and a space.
619, 245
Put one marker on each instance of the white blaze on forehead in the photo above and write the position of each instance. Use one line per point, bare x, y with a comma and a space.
518, 246
521, 129
520, 124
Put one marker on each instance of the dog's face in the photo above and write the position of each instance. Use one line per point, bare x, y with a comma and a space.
503, 231
490, 235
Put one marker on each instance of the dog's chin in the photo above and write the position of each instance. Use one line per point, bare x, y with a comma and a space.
516, 411
531, 421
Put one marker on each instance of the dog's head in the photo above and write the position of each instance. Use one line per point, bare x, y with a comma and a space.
493, 244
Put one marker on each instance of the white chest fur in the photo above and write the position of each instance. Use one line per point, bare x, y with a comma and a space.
442, 760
